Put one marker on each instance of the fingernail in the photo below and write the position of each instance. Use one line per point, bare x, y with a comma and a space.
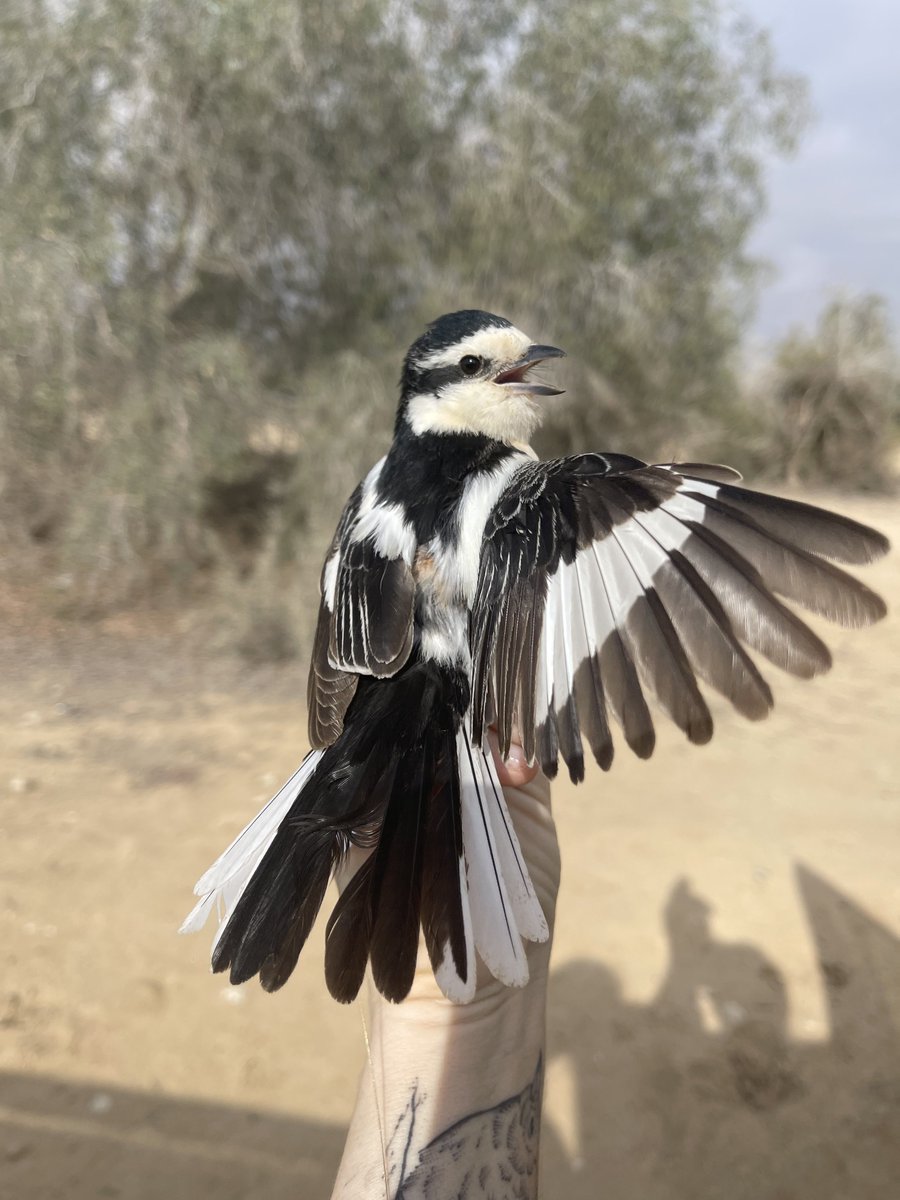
516, 756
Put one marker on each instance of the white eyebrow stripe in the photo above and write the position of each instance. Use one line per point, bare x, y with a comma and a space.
497, 343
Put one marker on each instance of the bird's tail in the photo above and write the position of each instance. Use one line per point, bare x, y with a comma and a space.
405, 782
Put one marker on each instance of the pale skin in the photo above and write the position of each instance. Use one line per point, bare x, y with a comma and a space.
446, 1102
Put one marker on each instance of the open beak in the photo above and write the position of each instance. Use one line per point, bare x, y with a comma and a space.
515, 378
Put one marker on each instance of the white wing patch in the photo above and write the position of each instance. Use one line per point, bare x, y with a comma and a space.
329, 580
588, 599
391, 534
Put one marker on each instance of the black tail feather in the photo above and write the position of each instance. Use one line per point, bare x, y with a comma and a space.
349, 935
274, 916
373, 787
396, 886
442, 904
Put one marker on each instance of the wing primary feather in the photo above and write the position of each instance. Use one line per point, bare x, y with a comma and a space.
529, 675
699, 619
659, 653
707, 472
791, 571
818, 530
567, 717
508, 656
588, 681
547, 735
757, 616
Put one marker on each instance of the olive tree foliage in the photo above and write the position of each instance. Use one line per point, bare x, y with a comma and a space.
221, 223
202, 204
628, 145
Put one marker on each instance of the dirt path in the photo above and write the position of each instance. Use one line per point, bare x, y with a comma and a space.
726, 994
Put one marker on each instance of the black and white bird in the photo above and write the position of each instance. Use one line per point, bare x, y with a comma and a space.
469, 584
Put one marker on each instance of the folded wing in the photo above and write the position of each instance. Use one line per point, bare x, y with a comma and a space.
365, 622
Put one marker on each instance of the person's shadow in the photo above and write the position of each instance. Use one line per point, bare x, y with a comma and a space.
702, 1094
699, 1095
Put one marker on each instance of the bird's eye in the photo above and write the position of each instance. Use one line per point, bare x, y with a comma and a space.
470, 364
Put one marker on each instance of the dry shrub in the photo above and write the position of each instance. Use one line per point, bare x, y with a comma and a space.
271, 547
834, 399
269, 634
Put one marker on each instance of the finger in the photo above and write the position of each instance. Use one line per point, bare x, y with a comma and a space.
514, 771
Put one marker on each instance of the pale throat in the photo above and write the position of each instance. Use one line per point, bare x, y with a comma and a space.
476, 407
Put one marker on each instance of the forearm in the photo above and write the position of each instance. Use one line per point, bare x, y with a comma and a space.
449, 1103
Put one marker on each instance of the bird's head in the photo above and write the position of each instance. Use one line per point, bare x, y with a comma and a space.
470, 373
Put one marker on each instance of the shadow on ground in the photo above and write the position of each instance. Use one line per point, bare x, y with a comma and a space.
700, 1095
65, 1140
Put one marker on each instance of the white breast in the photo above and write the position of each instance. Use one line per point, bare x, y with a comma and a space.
447, 570
458, 563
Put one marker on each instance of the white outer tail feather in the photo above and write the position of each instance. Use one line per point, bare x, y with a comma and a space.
223, 884
457, 990
503, 902
526, 907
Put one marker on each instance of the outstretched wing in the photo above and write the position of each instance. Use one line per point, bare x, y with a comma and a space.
603, 579
365, 622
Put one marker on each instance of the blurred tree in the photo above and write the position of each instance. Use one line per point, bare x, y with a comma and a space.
621, 174
221, 223
834, 398
201, 202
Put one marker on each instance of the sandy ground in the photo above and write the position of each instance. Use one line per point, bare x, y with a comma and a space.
725, 1010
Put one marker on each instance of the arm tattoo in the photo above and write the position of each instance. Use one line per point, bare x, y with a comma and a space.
493, 1153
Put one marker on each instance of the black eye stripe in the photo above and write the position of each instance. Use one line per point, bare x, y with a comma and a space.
438, 377
433, 380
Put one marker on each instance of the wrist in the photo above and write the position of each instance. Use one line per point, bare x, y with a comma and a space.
435, 1069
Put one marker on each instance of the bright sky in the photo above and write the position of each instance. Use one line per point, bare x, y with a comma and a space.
834, 209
